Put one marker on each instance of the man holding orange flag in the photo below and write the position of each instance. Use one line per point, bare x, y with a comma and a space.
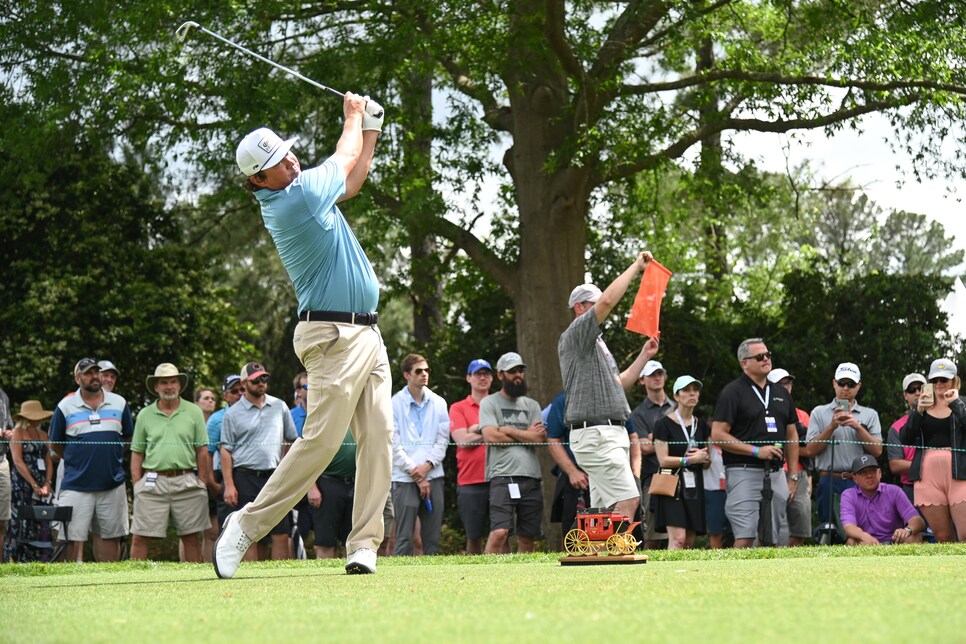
596, 407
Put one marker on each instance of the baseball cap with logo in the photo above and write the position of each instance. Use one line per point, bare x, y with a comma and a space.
253, 370
942, 369
107, 365
848, 370
685, 381
651, 367
862, 462
508, 361
477, 365
229, 381
84, 365
261, 150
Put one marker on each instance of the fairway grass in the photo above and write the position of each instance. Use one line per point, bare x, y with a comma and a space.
862, 594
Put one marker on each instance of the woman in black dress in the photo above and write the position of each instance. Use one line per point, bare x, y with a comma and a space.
681, 444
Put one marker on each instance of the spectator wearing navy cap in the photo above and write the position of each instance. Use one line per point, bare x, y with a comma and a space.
874, 512
472, 488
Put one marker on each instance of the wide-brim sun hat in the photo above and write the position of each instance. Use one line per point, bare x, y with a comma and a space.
33, 411
166, 370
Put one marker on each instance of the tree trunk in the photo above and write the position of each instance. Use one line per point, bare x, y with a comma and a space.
418, 195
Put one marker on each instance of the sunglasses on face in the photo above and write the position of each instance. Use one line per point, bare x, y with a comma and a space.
761, 357
846, 384
236, 390
914, 389
261, 380
421, 370
940, 380
516, 370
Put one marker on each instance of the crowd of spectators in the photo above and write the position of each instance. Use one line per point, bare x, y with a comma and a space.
193, 463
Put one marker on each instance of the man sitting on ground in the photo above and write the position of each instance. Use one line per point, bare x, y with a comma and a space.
874, 512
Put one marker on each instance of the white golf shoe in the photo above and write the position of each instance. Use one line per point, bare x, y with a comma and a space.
231, 546
361, 562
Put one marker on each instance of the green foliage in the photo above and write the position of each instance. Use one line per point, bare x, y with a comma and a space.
97, 265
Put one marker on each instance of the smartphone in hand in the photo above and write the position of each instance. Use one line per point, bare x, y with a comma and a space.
928, 397
841, 406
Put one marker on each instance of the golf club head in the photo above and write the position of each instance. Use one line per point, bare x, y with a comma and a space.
182, 32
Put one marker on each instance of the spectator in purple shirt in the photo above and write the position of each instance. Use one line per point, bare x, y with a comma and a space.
874, 512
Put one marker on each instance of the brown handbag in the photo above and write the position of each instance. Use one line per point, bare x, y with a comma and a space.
664, 483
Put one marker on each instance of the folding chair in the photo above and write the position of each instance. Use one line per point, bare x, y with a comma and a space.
48, 514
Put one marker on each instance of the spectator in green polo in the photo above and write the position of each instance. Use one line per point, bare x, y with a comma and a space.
169, 467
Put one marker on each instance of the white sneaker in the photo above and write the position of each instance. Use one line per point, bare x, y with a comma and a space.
230, 547
361, 562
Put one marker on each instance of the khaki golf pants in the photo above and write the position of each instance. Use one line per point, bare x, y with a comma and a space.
350, 385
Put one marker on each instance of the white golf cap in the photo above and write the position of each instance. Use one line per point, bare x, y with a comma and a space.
107, 365
942, 368
651, 367
509, 361
911, 378
260, 150
777, 375
583, 293
848, 370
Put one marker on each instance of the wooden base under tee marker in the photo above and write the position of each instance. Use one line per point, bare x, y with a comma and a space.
610, 560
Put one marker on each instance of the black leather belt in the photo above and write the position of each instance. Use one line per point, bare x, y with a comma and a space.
595, 423
365, 319
347, 480
259, 474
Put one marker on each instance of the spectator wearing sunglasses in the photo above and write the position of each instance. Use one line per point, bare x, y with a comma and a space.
842, 430
420, 437
938, 470
255, 435
753, 420
899, 455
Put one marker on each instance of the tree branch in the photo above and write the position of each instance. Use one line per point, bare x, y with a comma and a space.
679, 147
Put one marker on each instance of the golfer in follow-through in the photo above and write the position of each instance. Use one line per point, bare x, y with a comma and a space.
349, 381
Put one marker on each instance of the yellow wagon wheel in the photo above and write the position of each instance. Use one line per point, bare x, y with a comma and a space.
615, 544
577, 543
630, 543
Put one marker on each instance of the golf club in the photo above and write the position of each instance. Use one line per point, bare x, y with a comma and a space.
182, 35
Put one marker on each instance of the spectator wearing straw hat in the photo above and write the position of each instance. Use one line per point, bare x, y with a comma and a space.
88, 431
31, 483
169, 467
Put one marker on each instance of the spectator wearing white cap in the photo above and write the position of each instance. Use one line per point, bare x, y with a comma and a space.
109, 374
841, 430
655, 406
937, 428
800, 506
596, 389
899, 455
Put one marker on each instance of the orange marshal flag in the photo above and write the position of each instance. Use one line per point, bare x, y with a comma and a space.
645, 317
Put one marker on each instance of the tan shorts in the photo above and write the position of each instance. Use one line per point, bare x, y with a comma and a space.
603, 452
184, 498
104, 513
5, 490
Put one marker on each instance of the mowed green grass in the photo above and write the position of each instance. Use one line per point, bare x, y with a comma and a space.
865, 594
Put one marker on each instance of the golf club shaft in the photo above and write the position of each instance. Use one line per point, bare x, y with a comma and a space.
182, 33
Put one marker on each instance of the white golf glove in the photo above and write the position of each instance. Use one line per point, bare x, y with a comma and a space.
374, 116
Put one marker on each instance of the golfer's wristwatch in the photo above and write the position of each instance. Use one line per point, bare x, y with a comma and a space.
797, 476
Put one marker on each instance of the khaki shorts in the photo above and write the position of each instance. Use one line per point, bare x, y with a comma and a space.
104, 513
184, 498
603, 452
5, 490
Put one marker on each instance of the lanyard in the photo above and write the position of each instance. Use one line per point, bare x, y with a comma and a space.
764, 401
694, 426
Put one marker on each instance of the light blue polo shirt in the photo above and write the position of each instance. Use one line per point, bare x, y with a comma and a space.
327, 266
